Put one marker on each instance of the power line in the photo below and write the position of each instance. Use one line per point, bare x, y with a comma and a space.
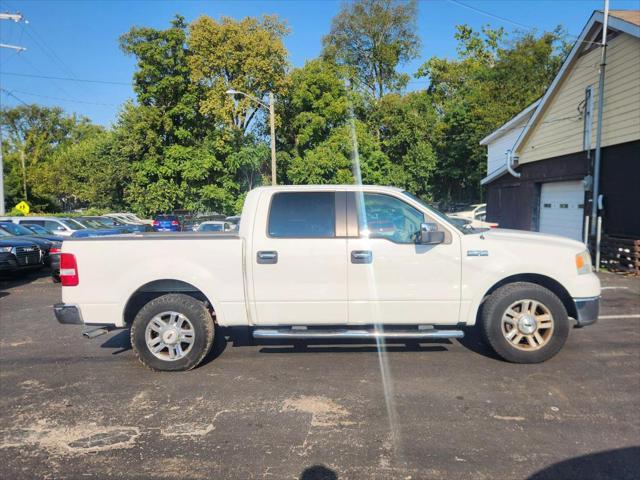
509, 21
50, 77
66, 99
12, 95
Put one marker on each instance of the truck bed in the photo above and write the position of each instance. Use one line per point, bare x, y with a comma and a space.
112, 269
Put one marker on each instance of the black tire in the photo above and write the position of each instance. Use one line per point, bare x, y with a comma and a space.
197, 314
498, 303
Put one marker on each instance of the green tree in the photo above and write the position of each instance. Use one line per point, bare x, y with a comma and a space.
372, 38
408, 129
337, 159
31, 134
247, 55
87, 173
314, 104
162, 80
492, 79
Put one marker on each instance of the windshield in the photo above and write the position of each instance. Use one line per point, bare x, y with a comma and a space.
439, 214
72, 224
106, 222
14, 229
38, 229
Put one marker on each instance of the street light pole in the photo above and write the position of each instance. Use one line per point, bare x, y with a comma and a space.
272, 122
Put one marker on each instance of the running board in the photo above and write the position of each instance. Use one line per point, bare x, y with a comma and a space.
309, 334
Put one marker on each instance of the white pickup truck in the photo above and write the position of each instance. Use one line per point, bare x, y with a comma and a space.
328, 262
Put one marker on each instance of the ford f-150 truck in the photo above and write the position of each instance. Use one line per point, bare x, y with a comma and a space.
329, 262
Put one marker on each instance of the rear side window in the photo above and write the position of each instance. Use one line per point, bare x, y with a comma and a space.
303, 215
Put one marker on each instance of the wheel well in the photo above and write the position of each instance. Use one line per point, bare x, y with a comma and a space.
544, 281
157, 288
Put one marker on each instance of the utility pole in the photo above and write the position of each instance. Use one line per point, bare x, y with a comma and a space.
272, 121
16, 17
598, 156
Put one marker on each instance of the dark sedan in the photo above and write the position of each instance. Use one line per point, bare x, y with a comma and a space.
44, 244
17, 255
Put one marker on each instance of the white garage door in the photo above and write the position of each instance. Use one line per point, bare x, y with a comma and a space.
561, 209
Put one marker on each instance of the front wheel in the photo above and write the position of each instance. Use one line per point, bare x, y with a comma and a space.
524, 323
173, 332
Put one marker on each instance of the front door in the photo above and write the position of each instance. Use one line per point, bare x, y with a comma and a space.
392, 279
299, 262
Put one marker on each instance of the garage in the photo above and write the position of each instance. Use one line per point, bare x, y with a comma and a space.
562, 208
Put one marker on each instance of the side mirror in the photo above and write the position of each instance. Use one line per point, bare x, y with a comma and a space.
429, 234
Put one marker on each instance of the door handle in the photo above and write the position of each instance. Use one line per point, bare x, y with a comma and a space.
361, 256
267, 257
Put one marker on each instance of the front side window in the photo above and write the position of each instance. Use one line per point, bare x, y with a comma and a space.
383, 216
302, 215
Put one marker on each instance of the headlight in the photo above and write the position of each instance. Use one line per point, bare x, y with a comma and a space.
583, 262
5, 249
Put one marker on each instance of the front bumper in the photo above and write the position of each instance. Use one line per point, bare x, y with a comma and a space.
587, 310
67, 314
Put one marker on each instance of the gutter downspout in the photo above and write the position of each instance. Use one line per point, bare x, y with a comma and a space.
509, 165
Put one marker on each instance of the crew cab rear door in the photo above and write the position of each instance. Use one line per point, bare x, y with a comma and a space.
298, 259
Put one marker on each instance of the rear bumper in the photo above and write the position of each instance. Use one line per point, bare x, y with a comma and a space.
587, 310
67, 314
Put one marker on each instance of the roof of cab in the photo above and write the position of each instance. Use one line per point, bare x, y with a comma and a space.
332, 188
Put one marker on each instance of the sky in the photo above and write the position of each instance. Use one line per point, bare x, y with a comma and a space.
78, 39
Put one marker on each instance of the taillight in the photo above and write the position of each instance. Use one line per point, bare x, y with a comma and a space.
68, 270
156, 223
174, 222
494, 226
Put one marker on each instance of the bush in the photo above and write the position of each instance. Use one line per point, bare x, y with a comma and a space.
16, 213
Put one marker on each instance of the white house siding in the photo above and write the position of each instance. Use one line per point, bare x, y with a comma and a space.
496, 150
559, 130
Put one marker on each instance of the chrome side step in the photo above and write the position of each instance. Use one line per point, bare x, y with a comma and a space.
308, 334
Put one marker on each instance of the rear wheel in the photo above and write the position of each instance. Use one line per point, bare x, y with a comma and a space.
524, 323
173, 332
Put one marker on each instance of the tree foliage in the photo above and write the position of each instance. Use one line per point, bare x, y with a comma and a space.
185, 144
372, 38
246, 55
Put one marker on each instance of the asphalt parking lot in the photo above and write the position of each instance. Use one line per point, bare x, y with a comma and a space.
77, 408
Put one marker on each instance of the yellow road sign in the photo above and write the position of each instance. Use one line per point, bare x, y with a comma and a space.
23, 207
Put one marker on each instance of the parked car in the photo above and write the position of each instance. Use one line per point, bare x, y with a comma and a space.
43, 243
128, 218
17, 255
112, 222
214, 226
65, 227
166, 223
54, 256
477, 215
97, 227
304, 266
234, 221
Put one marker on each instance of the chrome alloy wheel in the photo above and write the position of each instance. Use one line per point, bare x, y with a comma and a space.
169, 336
527, 325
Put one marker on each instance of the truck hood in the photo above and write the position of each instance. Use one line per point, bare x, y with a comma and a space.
523, 236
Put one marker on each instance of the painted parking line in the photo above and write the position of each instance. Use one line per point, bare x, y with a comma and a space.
610, 317
614, 288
